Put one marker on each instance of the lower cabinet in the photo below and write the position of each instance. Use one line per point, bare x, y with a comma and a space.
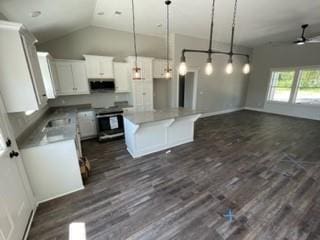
87, 124
53, 169
72, 77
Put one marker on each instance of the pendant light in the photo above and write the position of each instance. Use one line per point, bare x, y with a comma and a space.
210, 52
136, 70
167, 73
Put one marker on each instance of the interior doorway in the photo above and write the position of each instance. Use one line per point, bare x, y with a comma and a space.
187, 90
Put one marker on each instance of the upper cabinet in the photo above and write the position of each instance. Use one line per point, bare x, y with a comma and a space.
21, 82
159, 67
49, 74
99, 67
72, 77
121, 77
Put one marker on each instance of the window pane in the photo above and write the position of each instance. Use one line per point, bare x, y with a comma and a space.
281, 86
309, 87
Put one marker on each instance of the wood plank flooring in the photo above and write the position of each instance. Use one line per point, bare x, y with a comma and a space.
265, 167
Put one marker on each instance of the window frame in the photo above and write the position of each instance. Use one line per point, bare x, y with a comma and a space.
294, 100
294, 88
272, 71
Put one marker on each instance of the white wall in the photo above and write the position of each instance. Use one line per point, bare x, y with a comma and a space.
103, 41
219, 91
267, 57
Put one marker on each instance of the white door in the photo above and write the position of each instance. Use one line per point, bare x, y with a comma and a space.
65, 78
87, 124
80, 80
15, 205
138, 95
106, 67
35, 72
148, 95
121, 77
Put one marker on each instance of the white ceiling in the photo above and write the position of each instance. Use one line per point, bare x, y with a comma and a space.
258, 21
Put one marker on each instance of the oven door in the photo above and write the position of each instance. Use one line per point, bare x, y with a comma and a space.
110, 123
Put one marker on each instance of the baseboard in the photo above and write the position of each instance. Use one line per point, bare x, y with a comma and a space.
60, 195
33, 213
255, 109
209, 114
281, 114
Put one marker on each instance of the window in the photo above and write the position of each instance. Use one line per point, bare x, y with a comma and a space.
281, 86
308, 86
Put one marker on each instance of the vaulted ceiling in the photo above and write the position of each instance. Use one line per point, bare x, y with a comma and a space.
258, 21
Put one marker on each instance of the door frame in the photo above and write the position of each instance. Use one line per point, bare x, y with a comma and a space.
194, 70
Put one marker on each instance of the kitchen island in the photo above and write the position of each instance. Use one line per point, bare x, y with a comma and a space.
152, 131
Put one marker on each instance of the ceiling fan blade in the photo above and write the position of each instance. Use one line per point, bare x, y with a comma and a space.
314, 40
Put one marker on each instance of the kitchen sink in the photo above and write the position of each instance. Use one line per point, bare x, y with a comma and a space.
58, 122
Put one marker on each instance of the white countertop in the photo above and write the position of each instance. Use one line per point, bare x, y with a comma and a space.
43, 135
159, 115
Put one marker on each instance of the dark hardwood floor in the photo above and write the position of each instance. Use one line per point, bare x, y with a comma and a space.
264, 167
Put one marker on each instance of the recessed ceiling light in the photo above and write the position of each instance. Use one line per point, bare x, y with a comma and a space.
35, 14
100, 13
159, 25
117, 13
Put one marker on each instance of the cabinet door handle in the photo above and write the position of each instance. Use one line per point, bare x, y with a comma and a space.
43, 95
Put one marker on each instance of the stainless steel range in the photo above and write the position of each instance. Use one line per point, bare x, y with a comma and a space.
109, 123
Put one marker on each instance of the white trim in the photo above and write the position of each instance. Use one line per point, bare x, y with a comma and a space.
282, 114
60, 195
30, 222
209, 114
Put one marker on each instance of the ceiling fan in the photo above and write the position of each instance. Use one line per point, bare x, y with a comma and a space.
300, 40
303, 40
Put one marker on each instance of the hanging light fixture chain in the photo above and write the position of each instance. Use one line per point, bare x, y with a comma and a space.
168, 3
233, 29
134, 35
234, 13
211, 26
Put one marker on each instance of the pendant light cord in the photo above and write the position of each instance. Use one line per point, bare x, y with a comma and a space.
234, 13
134, 35
233, 28
168, 41
211, 27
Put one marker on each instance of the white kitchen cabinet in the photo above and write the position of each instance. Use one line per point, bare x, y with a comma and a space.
48, 73
99, 67
121, 77
87, 124
53, 169
72, 78
21, 82
142, 90
159, 67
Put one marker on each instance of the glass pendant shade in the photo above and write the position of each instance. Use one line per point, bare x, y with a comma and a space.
246, 68
229, 68
183, 68
209, 68
136, 73
167, 74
